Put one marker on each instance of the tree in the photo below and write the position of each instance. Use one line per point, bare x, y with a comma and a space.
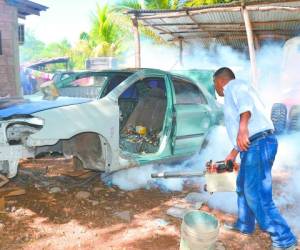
106, 37
57, 49
126, 23
162, 4
198, 3
81, 51
32, 48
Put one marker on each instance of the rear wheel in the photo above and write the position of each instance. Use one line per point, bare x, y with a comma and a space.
279, 117
294, 118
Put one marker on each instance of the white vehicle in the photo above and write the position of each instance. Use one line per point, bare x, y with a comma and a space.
151, 116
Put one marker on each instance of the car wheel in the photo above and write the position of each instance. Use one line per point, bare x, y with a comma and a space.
294, 118
279, 117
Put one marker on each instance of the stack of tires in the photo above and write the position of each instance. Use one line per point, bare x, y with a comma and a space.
284, 121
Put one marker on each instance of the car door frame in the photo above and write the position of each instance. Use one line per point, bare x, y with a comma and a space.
165, 147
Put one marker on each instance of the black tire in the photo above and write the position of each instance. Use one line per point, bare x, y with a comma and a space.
294, 118
279, 117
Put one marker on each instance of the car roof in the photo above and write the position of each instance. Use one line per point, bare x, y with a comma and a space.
108, 71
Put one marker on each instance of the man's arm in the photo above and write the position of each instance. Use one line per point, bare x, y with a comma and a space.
232, 155
242, 138
243, 134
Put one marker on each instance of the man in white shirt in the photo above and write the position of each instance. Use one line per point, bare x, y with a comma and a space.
251, 131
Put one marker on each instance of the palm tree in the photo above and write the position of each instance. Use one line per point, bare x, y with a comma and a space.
81, 52
127, 5
106, 36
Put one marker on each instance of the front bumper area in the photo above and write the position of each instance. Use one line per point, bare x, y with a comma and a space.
10, 156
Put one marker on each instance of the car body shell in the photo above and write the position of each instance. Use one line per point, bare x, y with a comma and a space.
184, 130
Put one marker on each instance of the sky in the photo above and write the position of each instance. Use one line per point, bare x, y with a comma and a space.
64, 19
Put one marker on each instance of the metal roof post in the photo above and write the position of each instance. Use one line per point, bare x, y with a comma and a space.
180, 39
250, 39
137, 42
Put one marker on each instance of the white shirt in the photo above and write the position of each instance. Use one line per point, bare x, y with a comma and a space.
240, 97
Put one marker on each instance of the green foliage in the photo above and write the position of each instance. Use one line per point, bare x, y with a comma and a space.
161, 4
56, 49
148, 4
198, 3
32, 48
129, 4
106, 35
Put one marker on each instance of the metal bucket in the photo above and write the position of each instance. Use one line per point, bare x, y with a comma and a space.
199, 231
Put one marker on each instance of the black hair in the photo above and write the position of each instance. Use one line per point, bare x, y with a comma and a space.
225, 72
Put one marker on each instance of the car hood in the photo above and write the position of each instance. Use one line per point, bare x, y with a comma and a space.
19, 106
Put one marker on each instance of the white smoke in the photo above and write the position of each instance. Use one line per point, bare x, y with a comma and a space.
141, 177
166, 57
271, 86
136, 178
286, 168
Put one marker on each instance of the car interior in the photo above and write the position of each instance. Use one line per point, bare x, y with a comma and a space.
142, 114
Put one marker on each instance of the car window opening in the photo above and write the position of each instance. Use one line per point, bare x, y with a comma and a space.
113, 82
90, 81
142, 114
187, 93
90, 86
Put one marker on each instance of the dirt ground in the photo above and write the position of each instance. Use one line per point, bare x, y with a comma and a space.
64, 212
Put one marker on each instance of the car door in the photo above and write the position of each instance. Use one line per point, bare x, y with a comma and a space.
191, 116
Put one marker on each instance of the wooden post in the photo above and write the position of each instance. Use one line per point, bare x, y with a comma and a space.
180, 39
256, 42
250, 39
137, 42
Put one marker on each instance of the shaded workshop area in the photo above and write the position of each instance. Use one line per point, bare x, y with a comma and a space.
93, 188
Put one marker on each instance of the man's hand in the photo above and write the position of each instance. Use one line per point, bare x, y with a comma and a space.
243, 134
243, 140
232, 156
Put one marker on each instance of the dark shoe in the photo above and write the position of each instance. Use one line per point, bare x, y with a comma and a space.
232, 227
292, 247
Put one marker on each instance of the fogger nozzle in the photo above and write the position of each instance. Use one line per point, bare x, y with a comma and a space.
177, 174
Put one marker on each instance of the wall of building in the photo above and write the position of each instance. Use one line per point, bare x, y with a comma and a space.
9, 59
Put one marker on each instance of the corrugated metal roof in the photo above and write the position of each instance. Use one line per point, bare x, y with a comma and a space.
26, 7
224, 24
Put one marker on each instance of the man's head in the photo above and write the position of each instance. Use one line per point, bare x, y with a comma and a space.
221, 77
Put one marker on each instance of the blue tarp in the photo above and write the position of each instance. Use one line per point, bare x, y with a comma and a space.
27, 107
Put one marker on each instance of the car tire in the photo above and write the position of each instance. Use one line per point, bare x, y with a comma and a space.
294, 118
279, 117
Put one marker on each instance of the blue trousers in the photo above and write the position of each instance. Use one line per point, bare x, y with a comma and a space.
254, 189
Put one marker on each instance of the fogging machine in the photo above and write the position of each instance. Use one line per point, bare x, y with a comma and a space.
220, 176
